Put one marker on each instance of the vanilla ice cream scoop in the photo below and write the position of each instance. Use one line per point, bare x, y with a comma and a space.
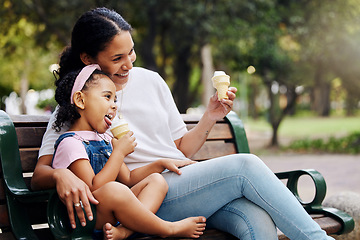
221, 82
119, 127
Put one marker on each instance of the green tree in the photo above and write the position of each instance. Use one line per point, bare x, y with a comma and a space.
23, 64
327, 32
172, 33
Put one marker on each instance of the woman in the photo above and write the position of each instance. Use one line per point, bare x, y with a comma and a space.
127, 199
236, 193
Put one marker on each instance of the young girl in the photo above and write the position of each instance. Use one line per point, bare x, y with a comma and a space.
87, 101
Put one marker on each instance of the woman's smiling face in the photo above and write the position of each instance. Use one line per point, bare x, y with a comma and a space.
117, 58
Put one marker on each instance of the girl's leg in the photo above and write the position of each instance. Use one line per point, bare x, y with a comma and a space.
118, 203
207, 186
151, 191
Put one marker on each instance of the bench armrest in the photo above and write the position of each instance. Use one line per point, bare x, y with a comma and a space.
315, 207
292, 183
237, 127
59, 223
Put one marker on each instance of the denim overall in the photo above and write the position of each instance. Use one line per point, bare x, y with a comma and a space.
97, 151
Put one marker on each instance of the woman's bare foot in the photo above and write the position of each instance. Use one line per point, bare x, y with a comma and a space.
116, 233
189, 227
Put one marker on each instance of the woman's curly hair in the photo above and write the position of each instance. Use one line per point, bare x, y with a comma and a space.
67, 112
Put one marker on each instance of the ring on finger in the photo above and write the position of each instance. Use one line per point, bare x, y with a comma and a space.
77, 204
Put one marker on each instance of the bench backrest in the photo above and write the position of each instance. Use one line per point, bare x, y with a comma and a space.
30, 129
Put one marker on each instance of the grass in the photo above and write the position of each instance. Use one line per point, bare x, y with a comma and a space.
309, 127
305, 134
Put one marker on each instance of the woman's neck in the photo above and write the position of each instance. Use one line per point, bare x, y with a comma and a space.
120, 86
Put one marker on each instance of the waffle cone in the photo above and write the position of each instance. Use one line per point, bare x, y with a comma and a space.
222, 89
221, 82
120, 130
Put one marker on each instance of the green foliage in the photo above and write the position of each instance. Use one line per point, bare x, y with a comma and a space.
21, 59
49, 103
349, 144
286, 41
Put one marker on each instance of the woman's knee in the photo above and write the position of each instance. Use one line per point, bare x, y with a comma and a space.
242, 160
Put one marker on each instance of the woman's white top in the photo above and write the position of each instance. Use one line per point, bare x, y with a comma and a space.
150, 110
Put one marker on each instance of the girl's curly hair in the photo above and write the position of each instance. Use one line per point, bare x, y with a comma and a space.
67, 112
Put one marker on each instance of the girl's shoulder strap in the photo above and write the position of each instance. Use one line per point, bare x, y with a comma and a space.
62, 137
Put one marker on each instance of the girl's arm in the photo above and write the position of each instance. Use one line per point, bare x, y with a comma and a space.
192, 141
110, 171
130, 178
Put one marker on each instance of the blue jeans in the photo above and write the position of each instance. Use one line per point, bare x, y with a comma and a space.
238, 194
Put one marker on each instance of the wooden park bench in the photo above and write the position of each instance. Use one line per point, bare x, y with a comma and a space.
23, 213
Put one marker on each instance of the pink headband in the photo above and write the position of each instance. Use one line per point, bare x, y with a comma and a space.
81, 79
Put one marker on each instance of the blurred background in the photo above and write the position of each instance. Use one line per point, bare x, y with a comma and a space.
295, 62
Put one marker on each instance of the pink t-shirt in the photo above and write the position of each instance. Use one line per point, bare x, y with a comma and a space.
71, 149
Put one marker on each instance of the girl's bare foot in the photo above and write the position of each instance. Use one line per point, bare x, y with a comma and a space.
115, 233
189, 227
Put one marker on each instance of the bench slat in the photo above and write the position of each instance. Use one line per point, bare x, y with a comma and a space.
328, 224
7, 236
4, 217
28, 158
30, 136
2, 191
212, 149
209, 234
194, 118
28, 120
219, 131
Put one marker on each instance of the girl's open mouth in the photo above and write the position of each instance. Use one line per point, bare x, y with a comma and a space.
107, 119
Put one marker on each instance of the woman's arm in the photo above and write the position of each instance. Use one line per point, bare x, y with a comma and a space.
69, 188
43, 177
192, 141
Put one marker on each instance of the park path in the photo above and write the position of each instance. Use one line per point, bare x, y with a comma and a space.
341, 172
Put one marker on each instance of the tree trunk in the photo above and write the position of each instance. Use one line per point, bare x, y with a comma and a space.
274, 117
277, 114
274, 138
253, 92
321, 93
289, 97
274, 110
352, 87
147, 44
164, 54
351, 101
182, 73
207, 72
24, 87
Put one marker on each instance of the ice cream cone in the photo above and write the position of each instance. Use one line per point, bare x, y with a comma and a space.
221, 82
119, 127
